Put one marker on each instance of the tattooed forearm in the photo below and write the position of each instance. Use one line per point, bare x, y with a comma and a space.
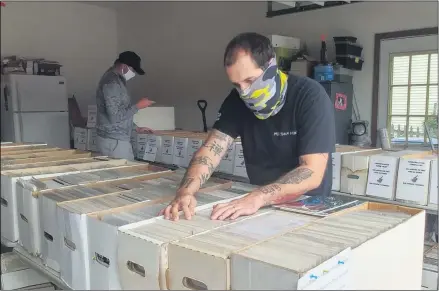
296, 176
203, 160
221, 136
203, 179
215, 148
186, 182
270, 189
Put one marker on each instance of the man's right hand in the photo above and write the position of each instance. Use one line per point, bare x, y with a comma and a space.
143, 103
183, 202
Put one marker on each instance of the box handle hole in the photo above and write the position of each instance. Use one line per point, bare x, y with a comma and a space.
48, 236
136, 268
24, 218
71, 245
104, 261
4, 202
194, 284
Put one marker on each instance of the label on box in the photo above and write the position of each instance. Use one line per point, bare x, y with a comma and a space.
167, 149
91, 140
80, 141
91, 116
382, 175
227, 162
180, 151
433, 183
193, 146
336, 171
141, 144
413, 180
239, 165
152, 147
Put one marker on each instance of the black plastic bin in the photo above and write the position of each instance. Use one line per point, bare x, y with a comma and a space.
345, 38
348, 48
350, 62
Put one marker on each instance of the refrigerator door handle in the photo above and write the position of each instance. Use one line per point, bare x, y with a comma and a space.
5, 96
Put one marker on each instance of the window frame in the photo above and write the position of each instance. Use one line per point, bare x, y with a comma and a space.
407, 116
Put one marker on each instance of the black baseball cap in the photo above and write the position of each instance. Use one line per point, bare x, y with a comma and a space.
131, 59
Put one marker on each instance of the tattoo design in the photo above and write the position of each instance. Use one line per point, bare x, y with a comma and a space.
296, 176
270, 189
221, 136
215, 148
203, 179
203, 160
186, 182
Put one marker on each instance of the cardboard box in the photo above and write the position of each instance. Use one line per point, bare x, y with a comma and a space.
228, 161
50, 228
383, 173
72, 217
80, 138
92, 139
336, 162
239, 168
92, 116
142, 139
376, 235
180, 152
433, 183
30, 227
102, 230
153, 151
354, 171
414, 179
156, 118
133, 140
47, 161
167, 149
8, 144
13, 154
209, 253
24, 148
148, 269
9, 213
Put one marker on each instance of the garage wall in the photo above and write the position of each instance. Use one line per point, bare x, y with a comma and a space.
182, 44
82, 37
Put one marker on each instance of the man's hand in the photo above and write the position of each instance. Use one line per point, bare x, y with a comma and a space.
247, 205
144, 130
143, 103
185, 202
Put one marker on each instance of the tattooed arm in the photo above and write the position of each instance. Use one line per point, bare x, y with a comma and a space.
306, 177
204, 162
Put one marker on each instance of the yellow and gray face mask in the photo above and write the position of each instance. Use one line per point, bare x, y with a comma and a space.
266, 95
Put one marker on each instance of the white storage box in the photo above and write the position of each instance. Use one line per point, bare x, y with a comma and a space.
378, 235
228, 161
102, 230
91, 140
194, 144
239, 168
153, 151
9, 210
80, 138
336, 162
383, 173
414, 180
209, 252
28, 192
142, 138
433, 183
167, 149
354, 172
180, 152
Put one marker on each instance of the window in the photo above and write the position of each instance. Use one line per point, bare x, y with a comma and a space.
413, 97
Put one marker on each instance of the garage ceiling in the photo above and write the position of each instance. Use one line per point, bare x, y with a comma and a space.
290, 7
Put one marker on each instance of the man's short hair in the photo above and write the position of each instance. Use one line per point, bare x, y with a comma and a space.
258, 46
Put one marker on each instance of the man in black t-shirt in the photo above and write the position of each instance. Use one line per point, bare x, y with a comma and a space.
286, 124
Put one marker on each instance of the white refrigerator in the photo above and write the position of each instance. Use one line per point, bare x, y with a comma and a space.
35, 109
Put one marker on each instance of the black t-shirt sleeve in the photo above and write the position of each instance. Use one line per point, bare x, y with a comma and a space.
229, 116
316, 130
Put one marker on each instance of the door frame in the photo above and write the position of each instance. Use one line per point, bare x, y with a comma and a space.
379, 37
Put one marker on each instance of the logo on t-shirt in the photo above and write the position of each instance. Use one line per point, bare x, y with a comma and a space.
218, 116
285, 133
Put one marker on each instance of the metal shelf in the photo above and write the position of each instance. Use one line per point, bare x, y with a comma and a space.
429, 208
37, 264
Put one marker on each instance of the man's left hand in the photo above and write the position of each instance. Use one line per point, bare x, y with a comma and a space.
247, 205
144, 130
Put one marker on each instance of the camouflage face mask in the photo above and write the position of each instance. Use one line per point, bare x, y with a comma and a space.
266, 95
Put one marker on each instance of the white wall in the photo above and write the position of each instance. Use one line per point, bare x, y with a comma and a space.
82, 37
182, 44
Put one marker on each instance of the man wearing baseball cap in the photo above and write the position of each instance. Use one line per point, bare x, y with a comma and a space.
114, 108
